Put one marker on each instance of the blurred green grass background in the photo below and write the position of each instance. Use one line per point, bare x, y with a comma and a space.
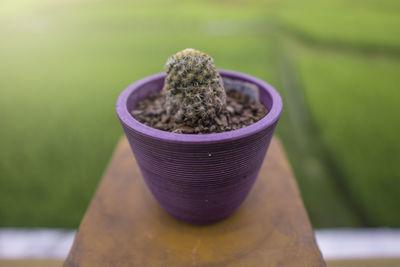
336, 64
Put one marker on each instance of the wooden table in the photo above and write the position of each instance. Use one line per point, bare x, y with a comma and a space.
124, 225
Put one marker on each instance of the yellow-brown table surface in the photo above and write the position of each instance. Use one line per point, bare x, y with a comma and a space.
124, 225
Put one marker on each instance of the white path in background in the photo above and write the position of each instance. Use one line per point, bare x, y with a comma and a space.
38, 243
334, 243
360, 243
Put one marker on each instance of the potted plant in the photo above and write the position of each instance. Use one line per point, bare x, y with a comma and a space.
196, 155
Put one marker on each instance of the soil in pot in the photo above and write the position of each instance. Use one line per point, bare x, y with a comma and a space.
241, 111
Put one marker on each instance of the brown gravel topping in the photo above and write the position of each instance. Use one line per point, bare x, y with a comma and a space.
241, 111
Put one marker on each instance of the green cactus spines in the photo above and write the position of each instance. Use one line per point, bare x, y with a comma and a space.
194, 89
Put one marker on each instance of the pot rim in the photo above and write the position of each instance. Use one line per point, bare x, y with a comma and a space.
267, 121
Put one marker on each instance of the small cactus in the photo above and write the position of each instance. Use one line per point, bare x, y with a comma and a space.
194, 90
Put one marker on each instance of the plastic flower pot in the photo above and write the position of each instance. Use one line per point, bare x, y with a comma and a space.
199, 178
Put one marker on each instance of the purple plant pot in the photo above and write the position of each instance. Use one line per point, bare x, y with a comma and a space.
199, 178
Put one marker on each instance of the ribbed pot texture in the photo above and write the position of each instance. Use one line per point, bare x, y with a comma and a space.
199, 178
